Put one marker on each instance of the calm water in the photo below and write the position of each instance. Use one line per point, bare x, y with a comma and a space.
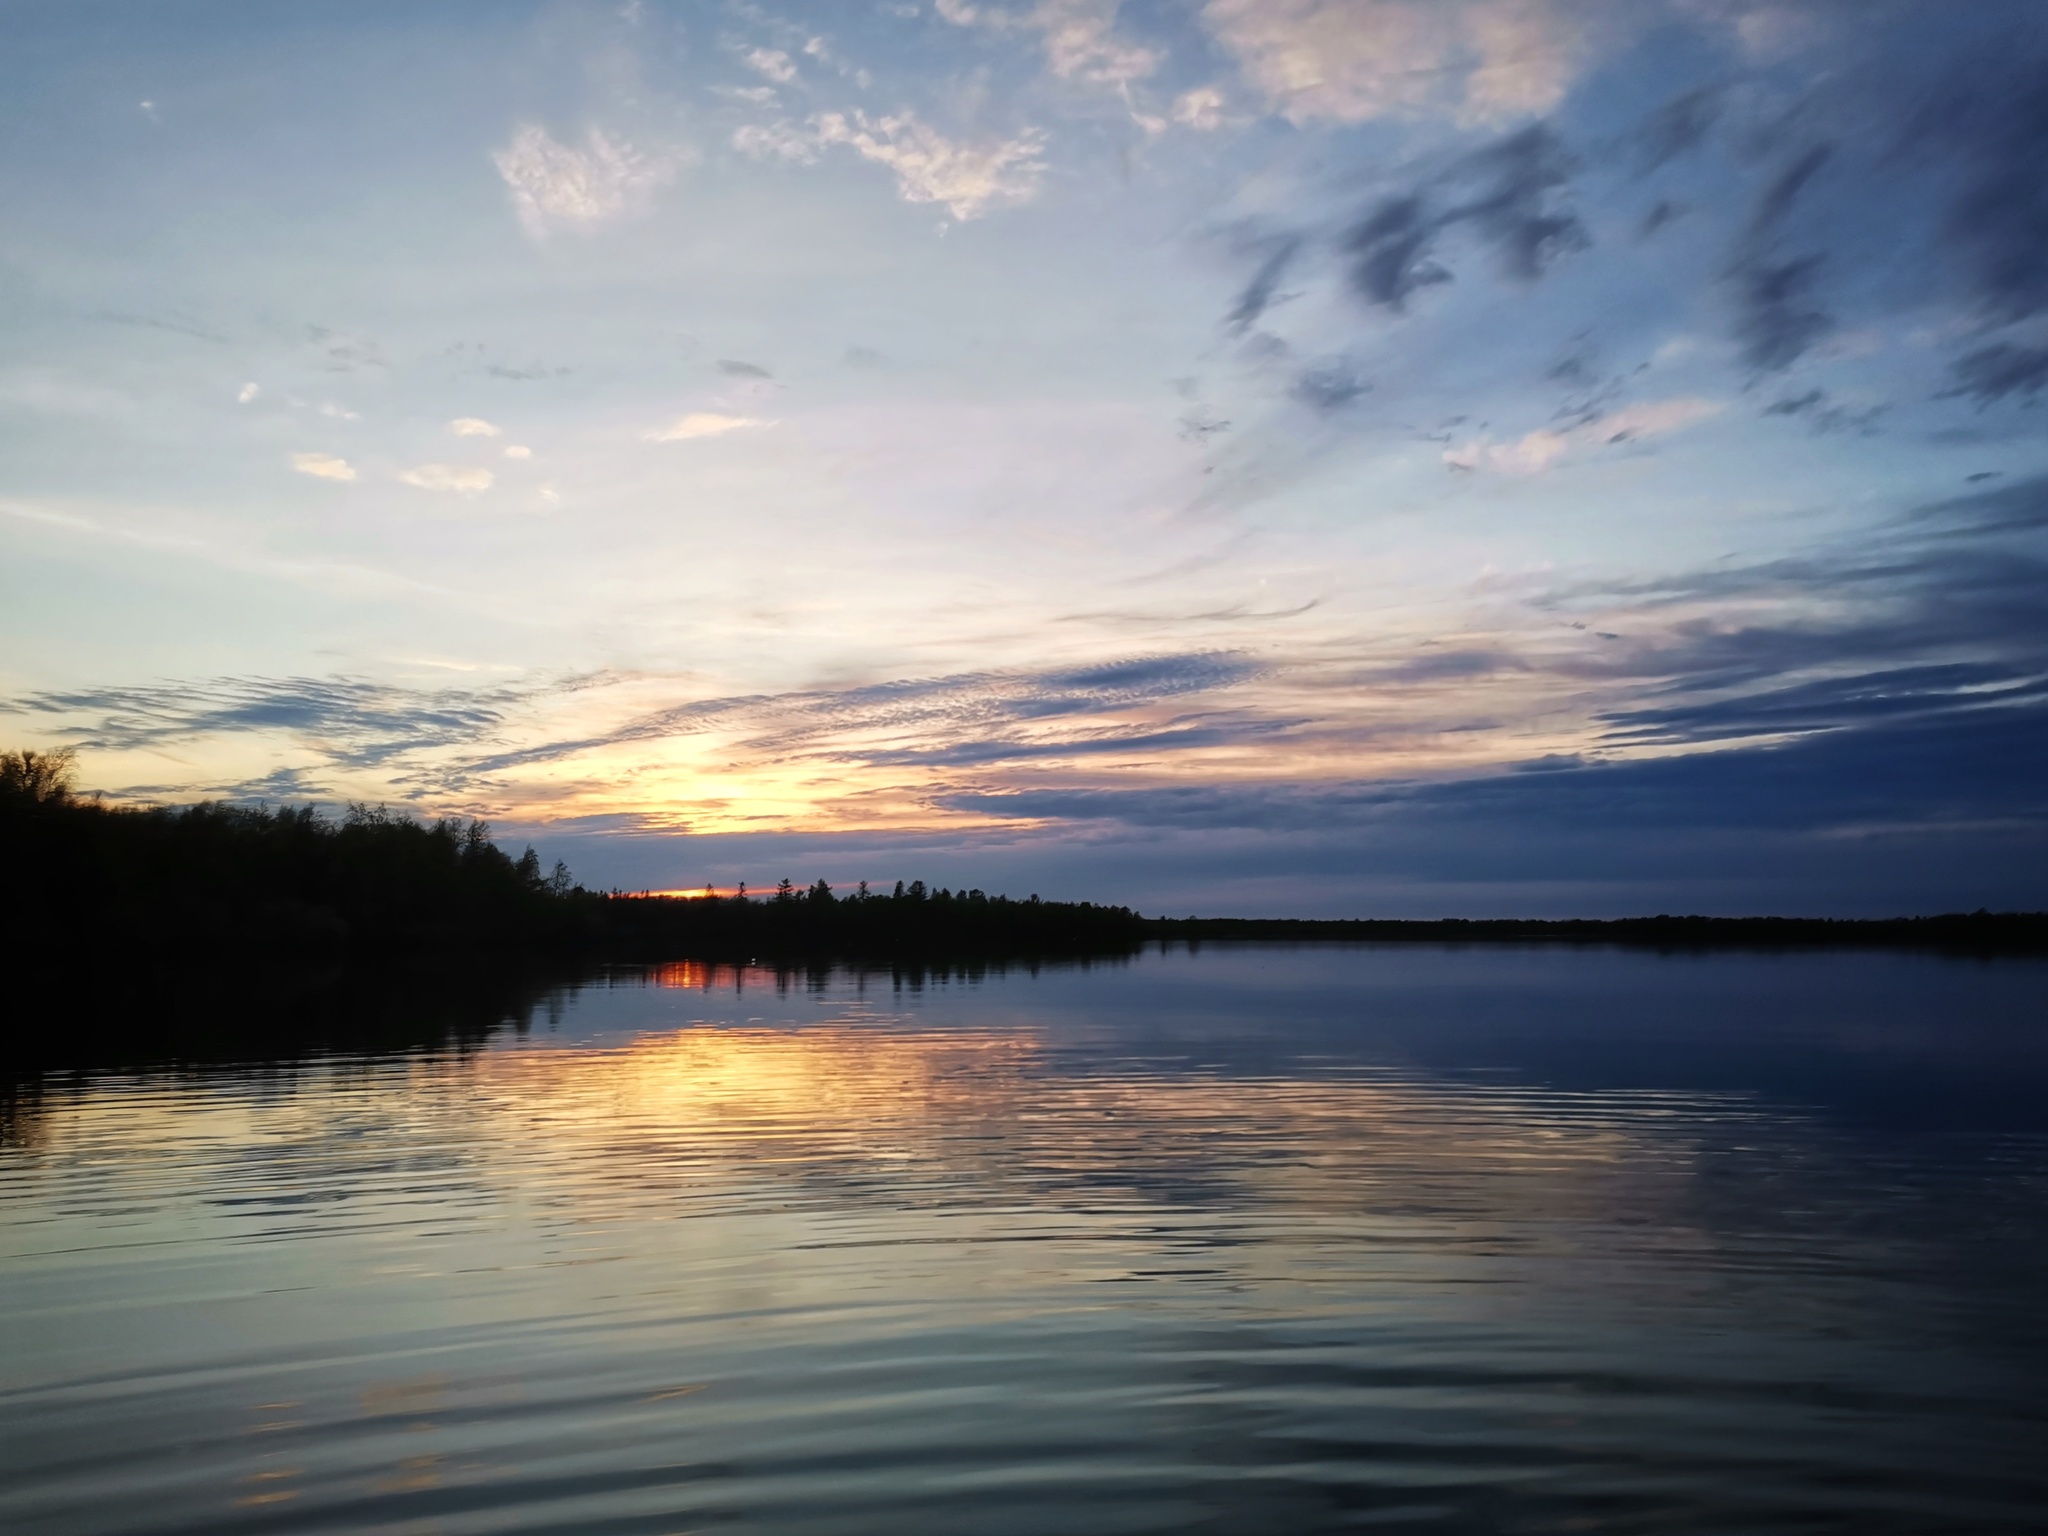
1256, 1239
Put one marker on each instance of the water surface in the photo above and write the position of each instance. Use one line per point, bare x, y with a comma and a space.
1250, 1239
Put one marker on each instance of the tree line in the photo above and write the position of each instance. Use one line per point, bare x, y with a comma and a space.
168, 886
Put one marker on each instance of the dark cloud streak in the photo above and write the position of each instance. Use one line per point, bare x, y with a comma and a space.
1777, 318
1258, 293
1996, 372
1505, 193
1389, 253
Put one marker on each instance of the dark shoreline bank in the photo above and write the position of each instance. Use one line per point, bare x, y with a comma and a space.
140, 897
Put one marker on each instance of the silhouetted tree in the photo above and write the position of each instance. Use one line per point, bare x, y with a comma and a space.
38, 778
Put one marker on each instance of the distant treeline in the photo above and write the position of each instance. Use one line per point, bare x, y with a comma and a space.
909, 920
1956, 932
165, 887
146, 892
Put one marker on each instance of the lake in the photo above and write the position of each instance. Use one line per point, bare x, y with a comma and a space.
1248, 1239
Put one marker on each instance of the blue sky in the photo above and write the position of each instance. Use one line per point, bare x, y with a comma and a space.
1319, 456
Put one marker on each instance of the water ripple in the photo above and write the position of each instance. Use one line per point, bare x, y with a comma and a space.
1046, 1254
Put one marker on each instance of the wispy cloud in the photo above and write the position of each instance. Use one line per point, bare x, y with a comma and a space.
1081, 43
969, 179
1999, 371
343, 723
1537, 451
1507, 195
770, 62
467, 479
472, 426
323, 466
558, 186
698, 424
1941, 619
226, 549
1778, 316
1896, 775
1350, 61
1080, 37
1203, 109
777, 141
1258, 294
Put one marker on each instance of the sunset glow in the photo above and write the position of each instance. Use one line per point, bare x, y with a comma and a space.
1316, 456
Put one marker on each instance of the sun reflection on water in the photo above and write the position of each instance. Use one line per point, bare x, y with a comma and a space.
794, 1243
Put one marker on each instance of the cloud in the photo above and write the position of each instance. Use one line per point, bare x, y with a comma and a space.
556, 186
1924, 637
1652, 418
1538, 450
1796, 405
776, 141
340, 723
1528, 455
930, 168
247, 393
323, 466
1904, 773
1943, 612
1258, 293
2002, 369
1777, 319
739, 368
464, 478
518, 451
705, 424
1079, 37
1783, 191
1329, 386
1822, 415
1819, 704
345, 354
1200, 109
1678, 127
1389, 252
958, 719
1988, 122
175, 327
1505, 194
328, 707
472, 426
1349, 61
1897, 683
770, 62
455, 742
1081, 43
1510, 202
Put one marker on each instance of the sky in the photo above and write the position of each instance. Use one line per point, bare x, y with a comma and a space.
1295, 457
